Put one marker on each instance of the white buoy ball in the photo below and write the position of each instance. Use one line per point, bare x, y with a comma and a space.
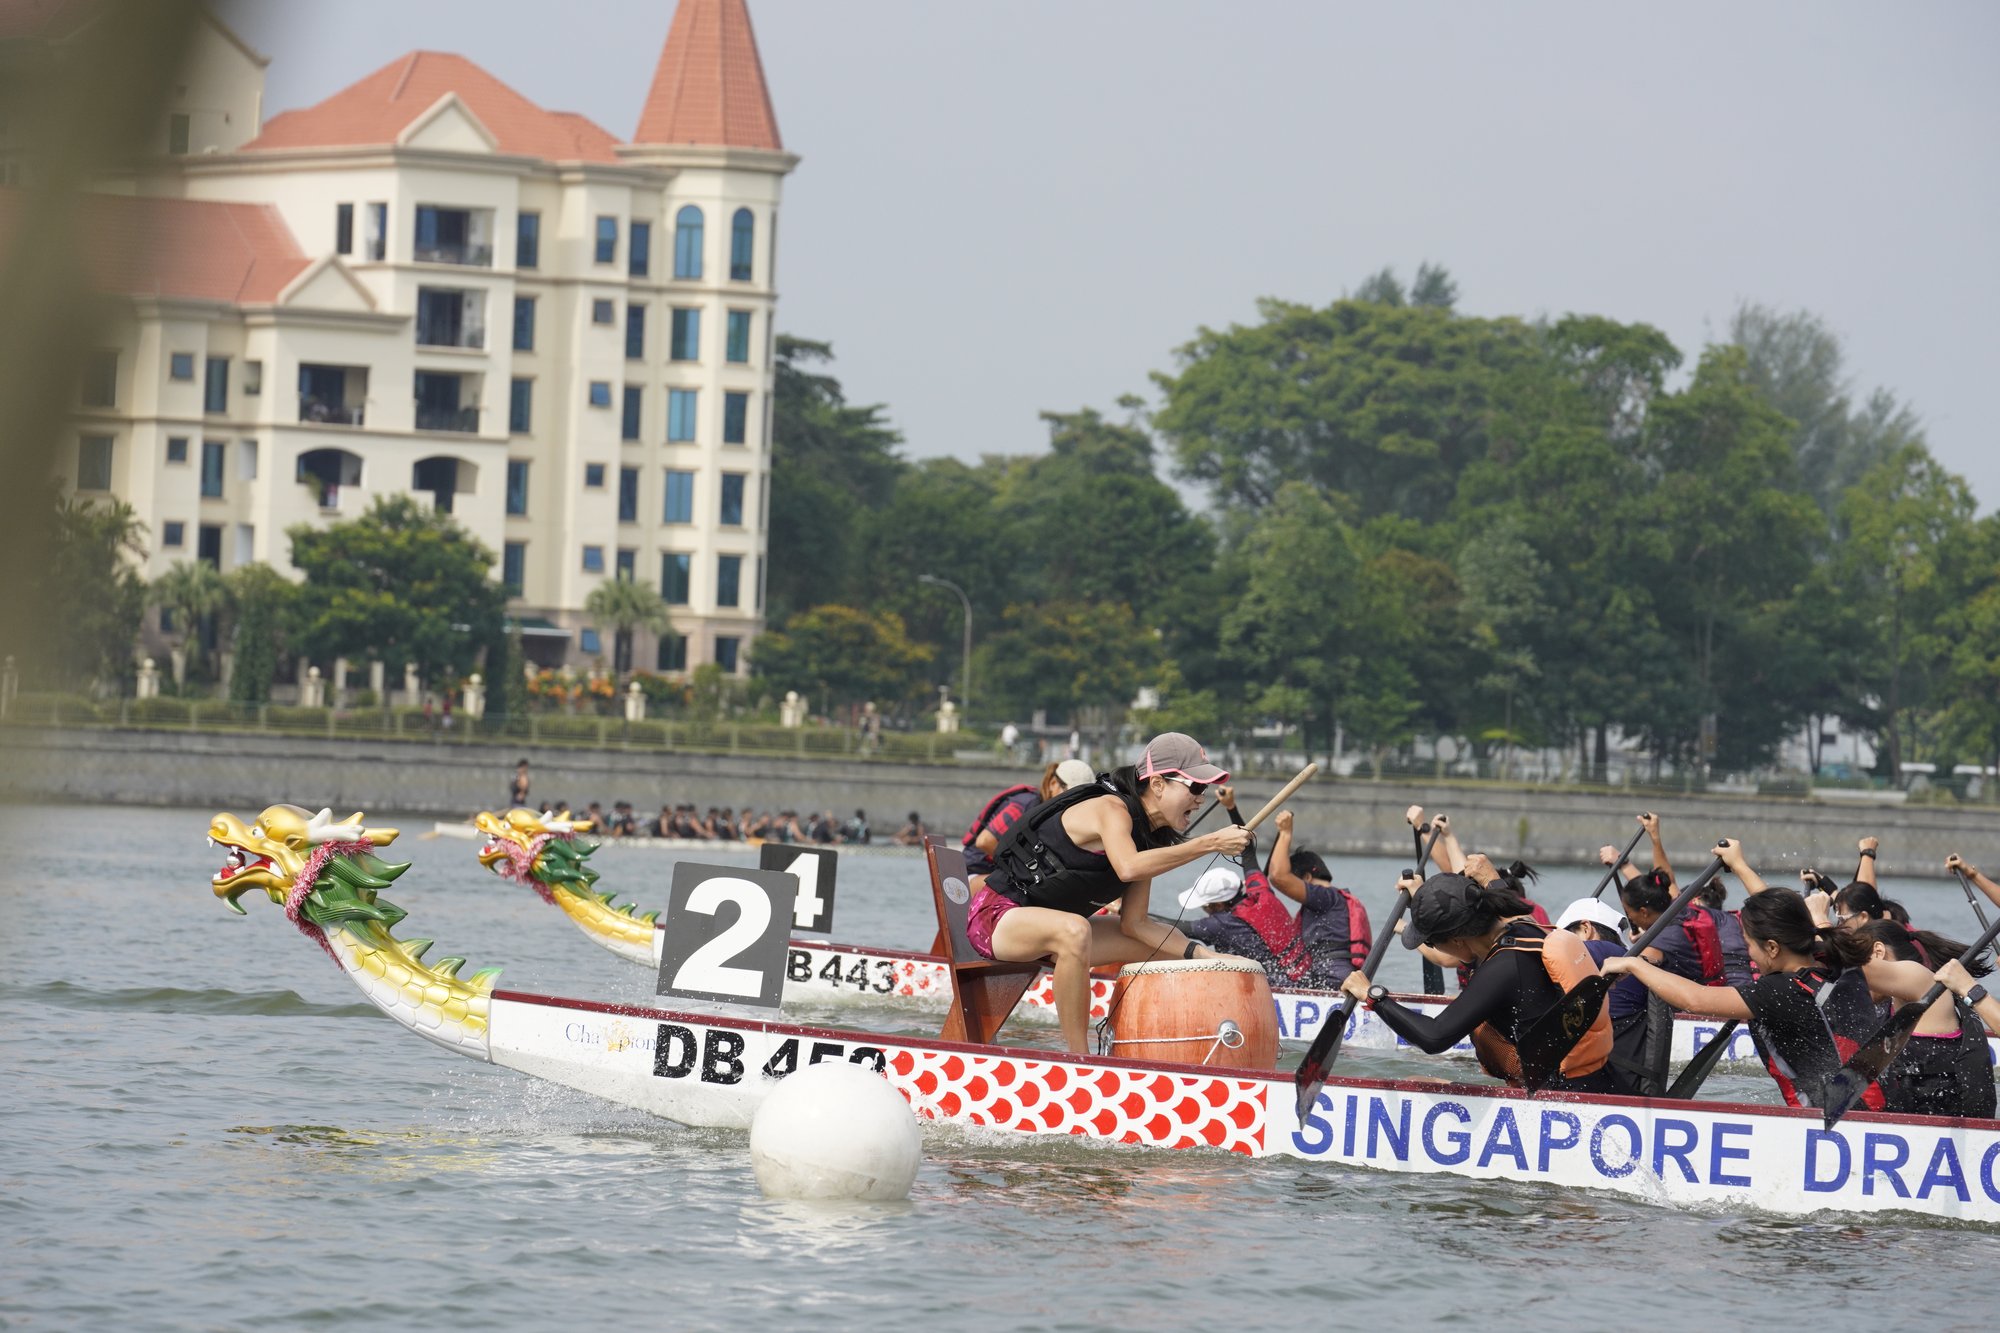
835, 1131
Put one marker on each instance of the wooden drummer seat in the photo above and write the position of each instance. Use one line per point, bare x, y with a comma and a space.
983, 992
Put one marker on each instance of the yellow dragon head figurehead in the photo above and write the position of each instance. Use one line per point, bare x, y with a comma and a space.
546, 853
272, 853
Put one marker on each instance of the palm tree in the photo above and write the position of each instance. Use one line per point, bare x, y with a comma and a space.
190, 589
622, 606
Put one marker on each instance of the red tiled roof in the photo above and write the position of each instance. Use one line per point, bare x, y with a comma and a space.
709, 87
380, 107
243, 254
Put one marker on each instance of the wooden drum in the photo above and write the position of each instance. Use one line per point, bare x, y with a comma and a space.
1201, 1011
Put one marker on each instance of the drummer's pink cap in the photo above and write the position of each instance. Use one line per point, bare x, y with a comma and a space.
1173, 752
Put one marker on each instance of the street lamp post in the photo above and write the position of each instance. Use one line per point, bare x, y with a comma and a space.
965, 685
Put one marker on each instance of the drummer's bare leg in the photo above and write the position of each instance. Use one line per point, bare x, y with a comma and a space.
1029, 934
1110, 944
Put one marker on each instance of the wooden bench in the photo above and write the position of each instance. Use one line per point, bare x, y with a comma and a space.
983, 992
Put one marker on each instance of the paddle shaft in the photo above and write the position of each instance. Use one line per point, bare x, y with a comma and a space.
1623, 857
1675, 908
1325, 1049
1433, 974
1971, 896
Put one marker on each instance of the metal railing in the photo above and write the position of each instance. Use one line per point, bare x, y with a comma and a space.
477, 256
326, 412
464, 419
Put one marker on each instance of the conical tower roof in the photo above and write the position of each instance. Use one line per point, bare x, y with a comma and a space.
709, 87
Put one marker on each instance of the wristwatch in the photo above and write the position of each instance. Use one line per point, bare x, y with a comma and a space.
1377, 994
1975, 995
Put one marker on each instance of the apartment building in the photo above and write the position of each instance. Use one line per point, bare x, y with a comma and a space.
428, 284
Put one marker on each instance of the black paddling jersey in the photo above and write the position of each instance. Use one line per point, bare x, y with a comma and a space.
1807, 1023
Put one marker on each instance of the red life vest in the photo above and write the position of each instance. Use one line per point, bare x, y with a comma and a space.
1699, 924
987, 811
1260, 909
1359, 936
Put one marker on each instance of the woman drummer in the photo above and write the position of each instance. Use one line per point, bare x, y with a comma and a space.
1522, 971
1100, 842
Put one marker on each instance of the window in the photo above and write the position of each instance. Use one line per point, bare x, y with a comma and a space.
215, 394
728, 578
628, 495
180, 365
253, 379
603, 312
593, 559
449, 317
593, 476
93, 463
674, 569
100, 380
635, 332
640, 260
453, 236
735, 417
528, 241
517, 487
726, 646
246, 543
760, 583
513, 567
680, 414
587, 639
680, 497
738, 350
246, 460
178, 125
732, 500
520, 406
177, 449
687, 335
600, 393
211, 469
524, 323
343, 229
607, 240
628, 564
378, 231
742, 237
634, 403
673, 652
173, 534
687, 242
208, 545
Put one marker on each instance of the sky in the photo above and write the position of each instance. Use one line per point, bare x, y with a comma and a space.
1010, 208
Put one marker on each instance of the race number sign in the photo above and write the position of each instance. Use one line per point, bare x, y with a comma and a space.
814, 866
724, 935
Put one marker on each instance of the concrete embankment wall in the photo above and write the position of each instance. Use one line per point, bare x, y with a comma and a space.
247, 772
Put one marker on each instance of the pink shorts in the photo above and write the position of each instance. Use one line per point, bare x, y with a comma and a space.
987, 909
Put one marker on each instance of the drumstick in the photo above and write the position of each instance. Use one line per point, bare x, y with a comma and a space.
1284, 794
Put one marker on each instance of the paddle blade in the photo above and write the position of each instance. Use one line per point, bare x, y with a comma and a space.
1312, 1071
1849, 1085
1697, 1071
1555, 1033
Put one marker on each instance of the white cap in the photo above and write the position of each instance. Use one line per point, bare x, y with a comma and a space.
1074, 773
1218, 884
1593, 910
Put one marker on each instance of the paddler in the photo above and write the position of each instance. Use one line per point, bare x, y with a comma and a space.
1003, 809
1100, 842
1332, 924
1521, 970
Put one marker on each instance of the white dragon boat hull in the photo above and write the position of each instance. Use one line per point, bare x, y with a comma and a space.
706, 1070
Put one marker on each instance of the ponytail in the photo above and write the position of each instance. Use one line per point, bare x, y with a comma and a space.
1927, 947
1715, 895
1781, 916
1498, 901
1862, 898
1650, 892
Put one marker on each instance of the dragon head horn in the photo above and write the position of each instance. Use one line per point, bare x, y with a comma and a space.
321, 829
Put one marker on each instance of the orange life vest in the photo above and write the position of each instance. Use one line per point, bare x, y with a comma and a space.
1567, 962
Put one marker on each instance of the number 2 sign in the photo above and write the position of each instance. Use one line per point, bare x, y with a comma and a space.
814, 866
724, 936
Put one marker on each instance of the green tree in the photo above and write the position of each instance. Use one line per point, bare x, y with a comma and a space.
510, 688
86, 599
1072, 659
622, 606
832, 464
1385, 404
262, 599
837, 655
192, 591
401, 583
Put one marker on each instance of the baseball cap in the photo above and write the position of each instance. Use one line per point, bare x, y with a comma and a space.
1074, 773
1445, 906
1310, 865
1592, 910
1218, 884
1177, 752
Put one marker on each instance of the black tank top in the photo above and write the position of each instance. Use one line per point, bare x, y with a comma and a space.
1940, 1075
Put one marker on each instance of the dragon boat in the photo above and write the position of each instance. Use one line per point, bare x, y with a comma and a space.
709, 1070
551, 856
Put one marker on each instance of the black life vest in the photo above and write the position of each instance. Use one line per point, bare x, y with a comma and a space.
1037, 865
1942, 1075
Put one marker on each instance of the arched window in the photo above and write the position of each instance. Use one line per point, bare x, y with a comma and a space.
742, 235
687, 242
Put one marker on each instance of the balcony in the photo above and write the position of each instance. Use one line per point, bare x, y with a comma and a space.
333, 395
450, 318
454, 236
462, 419
329, 474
